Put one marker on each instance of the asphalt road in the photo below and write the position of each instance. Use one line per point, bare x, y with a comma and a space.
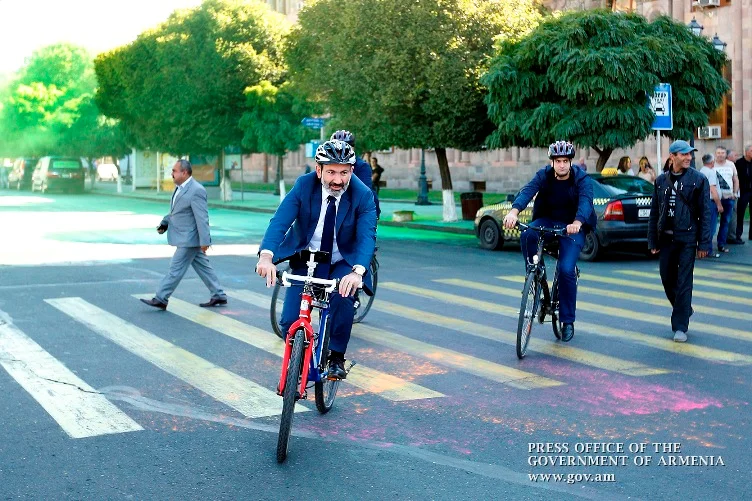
107, 398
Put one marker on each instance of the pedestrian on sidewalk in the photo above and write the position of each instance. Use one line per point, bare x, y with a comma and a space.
744, 171
187, 227
376, 172
708, 170
679, 229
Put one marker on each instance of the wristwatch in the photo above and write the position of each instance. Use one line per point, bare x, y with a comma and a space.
360, 270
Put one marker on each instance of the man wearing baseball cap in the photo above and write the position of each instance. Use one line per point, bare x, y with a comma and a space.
679, 230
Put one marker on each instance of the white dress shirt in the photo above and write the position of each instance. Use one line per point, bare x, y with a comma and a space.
177, 190
315, 242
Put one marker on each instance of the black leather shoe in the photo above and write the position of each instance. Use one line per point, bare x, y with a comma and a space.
567, 332
213, 302
337, 369
155, 303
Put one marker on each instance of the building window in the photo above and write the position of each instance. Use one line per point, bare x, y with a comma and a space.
623, 5
722, 115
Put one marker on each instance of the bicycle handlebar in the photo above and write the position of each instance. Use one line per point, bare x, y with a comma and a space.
330, 285
560, 232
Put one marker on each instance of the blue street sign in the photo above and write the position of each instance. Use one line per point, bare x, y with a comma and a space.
313, 123
660, 104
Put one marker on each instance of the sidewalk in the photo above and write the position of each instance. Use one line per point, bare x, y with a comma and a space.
426, 217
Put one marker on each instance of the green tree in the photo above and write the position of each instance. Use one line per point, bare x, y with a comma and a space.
179, 87
405, 73
272, 123
586, 77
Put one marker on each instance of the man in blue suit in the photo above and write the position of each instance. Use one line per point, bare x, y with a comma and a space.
328, 209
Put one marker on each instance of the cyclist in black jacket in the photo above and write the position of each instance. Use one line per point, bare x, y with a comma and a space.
679, 229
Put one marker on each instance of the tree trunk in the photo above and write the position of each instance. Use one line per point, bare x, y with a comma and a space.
603, 156
266, 168
280, 177
450, 209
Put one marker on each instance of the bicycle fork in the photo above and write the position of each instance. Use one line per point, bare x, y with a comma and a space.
304, 323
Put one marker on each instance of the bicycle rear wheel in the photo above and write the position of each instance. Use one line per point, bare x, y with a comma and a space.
290, 395
365, 301
528, 308
326, 389
275, 310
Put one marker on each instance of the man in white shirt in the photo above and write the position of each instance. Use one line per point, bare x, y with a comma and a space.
716, 207
728, 186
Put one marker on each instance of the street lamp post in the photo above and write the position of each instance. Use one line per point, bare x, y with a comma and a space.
422, 181
695, 27
718, 43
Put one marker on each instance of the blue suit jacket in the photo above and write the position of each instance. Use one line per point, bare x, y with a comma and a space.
292, 227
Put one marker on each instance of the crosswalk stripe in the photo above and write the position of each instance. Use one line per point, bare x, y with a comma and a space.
385, 385
716, 284
608, 310
559, 350
722, 275
714, 296
454, 359
247, 397
80, 410
643, 298
450, 358
744, 270
687, 349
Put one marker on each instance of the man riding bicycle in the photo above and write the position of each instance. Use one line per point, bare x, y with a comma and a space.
332, 211
565, 198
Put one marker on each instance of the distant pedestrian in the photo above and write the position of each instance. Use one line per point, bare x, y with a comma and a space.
667, 164
582, 163
645, 170
625, 166
679, 229
744, 171
307, 169
728, 186
716, 208
187, 227
376, 172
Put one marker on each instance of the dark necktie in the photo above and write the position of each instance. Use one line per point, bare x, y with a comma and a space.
327, 236
174, 193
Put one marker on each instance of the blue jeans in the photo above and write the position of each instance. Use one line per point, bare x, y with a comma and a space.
713, 222
569, 251
728, 211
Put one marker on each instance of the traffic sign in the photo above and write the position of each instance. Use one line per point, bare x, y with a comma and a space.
660, 104
313, 123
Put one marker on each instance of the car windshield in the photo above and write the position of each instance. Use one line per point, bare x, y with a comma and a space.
626, 185
66, 164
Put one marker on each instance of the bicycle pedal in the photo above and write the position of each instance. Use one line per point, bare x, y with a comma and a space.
352, 364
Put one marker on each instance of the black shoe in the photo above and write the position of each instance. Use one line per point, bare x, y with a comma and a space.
567, 332
213, 302
734, 241
337, 369
155, 303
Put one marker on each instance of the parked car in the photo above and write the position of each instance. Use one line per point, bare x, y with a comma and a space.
20, 176
622, 204
107, 172
59, 173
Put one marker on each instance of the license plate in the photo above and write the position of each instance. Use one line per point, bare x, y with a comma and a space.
643, 213
68, 175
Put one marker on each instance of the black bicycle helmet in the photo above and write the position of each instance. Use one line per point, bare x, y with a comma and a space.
561, 149
344, 135
335, 152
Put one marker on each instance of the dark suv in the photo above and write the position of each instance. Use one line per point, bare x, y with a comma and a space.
59, 173
20, 176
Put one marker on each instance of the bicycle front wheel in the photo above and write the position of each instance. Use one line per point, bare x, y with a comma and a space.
365, 301
555, 323
290, 395
275, 310
528, 308
326, 389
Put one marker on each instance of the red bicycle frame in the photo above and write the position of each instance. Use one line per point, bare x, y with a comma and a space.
303, 322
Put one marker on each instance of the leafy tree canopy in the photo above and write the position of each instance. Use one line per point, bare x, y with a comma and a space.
179, 87
585, 77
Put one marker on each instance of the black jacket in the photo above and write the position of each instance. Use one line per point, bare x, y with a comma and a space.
691, 222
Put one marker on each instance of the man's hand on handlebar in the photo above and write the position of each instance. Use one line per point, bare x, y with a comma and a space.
510, 220
265, 268
574, 227
348, 285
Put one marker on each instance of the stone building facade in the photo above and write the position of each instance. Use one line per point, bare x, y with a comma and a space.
505, 171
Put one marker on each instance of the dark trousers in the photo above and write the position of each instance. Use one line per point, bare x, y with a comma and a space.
725, 228
569, 251
677, 265
341, 309
742, 204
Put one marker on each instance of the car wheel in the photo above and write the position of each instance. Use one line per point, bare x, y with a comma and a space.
490, 235
18, 185
592, 247
43, 188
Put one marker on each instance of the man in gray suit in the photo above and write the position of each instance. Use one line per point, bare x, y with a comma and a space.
187, 227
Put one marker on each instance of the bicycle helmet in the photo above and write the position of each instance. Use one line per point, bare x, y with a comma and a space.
561, 149
344, 135
335, 152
